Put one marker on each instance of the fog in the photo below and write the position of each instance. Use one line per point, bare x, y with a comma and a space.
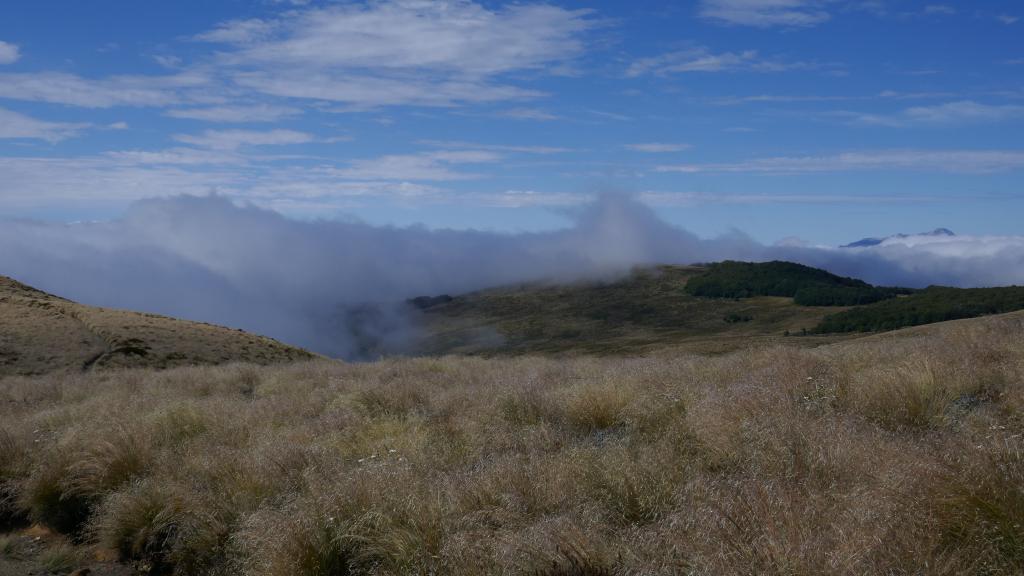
206, 258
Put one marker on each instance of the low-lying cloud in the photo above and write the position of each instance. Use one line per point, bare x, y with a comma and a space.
206, 258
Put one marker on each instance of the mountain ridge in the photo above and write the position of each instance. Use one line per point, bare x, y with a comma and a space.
871, 241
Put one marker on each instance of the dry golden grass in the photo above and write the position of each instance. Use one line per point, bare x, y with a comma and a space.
43, 333
894, 455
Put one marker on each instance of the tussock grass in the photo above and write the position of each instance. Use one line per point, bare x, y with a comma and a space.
60, 558
895, 455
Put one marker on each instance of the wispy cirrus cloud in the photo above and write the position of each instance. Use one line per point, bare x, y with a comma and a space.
766, 13
363, 91
660, 198
74, 90
32, 182
119, 177
462, 37
398, 52
961, 112
14, 125
235, 139
702, 59
816, 98
232, 114
9, 53
178, 156
940, 9
361, 55
527, 149
529, 114
944, 161
426, 166
658, 147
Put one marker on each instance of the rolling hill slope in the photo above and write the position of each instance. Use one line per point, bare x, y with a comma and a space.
712, 308
648, 310
42, 333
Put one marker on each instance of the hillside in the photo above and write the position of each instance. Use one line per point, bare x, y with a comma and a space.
42, 333
807, 286
933, 304
648, 310
891, 454
712, 308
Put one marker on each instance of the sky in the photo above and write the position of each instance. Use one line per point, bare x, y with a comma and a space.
822, 120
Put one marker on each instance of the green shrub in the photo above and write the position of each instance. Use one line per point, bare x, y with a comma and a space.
934, 304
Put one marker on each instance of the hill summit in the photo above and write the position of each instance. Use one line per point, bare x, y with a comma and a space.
45, 333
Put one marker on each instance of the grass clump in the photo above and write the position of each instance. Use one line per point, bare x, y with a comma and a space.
61, 558
895, 455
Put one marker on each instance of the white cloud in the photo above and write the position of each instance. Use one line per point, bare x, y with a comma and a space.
1007, 19
19, 126
459, 36
9, 53
658, 147
395, 52
528, 114
240, 32
765, 13
942, 9
962, 112
947, 260
180, 156
278, 276
702, 59
364, 91
63, 88
171, 62
235, 139
29, 183
531, 198
120, 177
236, 114
430, 166
655, 198
455, 144
949, 161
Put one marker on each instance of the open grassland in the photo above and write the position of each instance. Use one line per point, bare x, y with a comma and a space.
895, 454
645, 311
42, 333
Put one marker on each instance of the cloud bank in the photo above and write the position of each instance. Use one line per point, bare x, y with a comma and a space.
206, 258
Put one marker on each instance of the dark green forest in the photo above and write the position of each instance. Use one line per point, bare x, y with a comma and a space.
807, 286
873, 308
933, 304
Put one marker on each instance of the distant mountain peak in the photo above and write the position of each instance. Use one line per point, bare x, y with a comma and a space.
865, 242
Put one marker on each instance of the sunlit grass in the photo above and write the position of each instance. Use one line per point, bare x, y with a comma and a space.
884, 456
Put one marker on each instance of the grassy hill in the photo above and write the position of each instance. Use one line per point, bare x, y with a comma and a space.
891, 454
713, 308
41, 333
648, 310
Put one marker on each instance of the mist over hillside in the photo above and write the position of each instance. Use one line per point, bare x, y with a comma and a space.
206, 258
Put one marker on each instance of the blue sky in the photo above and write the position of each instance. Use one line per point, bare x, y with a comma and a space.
824, 120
